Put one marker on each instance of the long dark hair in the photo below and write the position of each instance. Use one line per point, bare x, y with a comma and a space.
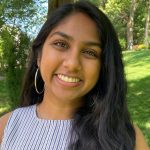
103, 123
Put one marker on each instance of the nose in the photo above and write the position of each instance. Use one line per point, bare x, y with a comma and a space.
72, 61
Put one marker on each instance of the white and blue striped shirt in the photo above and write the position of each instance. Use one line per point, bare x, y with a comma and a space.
25, 131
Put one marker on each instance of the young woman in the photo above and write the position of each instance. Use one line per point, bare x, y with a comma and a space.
74, 93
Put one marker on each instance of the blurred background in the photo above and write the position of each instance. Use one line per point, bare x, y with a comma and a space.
20, 22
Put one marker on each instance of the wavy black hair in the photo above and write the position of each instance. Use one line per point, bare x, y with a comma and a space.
103, 122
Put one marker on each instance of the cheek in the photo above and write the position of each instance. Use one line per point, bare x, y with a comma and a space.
47, 65
49, 58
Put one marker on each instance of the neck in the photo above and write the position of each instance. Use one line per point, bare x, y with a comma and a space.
56, 110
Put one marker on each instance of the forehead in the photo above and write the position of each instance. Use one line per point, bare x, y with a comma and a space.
77, 23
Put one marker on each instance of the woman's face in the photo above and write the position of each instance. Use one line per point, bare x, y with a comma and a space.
70, 61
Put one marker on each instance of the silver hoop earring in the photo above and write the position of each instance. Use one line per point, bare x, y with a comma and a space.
35, 78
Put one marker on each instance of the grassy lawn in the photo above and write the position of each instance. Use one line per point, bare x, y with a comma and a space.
137, 67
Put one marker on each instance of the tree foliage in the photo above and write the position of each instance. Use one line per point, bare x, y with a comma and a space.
14, 42
15, 48
17, 13
123, 15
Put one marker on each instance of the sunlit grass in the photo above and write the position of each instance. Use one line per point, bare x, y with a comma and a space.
137, 64
137, 67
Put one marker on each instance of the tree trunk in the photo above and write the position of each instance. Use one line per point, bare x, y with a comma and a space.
130, 25
54, 4
147, 28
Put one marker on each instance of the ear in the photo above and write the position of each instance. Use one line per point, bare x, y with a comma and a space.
38, 60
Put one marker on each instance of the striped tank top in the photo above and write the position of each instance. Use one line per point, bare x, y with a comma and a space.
25, 131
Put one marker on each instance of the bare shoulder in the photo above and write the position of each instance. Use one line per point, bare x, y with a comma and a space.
3, 122
140, 140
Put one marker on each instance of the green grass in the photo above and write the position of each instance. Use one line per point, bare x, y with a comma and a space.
137, 67
138, 75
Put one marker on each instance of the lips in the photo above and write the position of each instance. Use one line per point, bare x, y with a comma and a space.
68, 78
68, 81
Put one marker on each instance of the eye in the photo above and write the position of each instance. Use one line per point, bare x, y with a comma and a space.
61, 44
90, 53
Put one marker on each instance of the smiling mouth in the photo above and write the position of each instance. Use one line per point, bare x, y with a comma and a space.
68, 79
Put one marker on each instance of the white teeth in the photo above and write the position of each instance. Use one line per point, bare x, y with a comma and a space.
68, 79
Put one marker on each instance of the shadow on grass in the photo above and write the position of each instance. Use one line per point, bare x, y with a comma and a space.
139, 104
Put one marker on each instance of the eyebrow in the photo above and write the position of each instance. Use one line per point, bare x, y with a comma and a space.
64, 35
